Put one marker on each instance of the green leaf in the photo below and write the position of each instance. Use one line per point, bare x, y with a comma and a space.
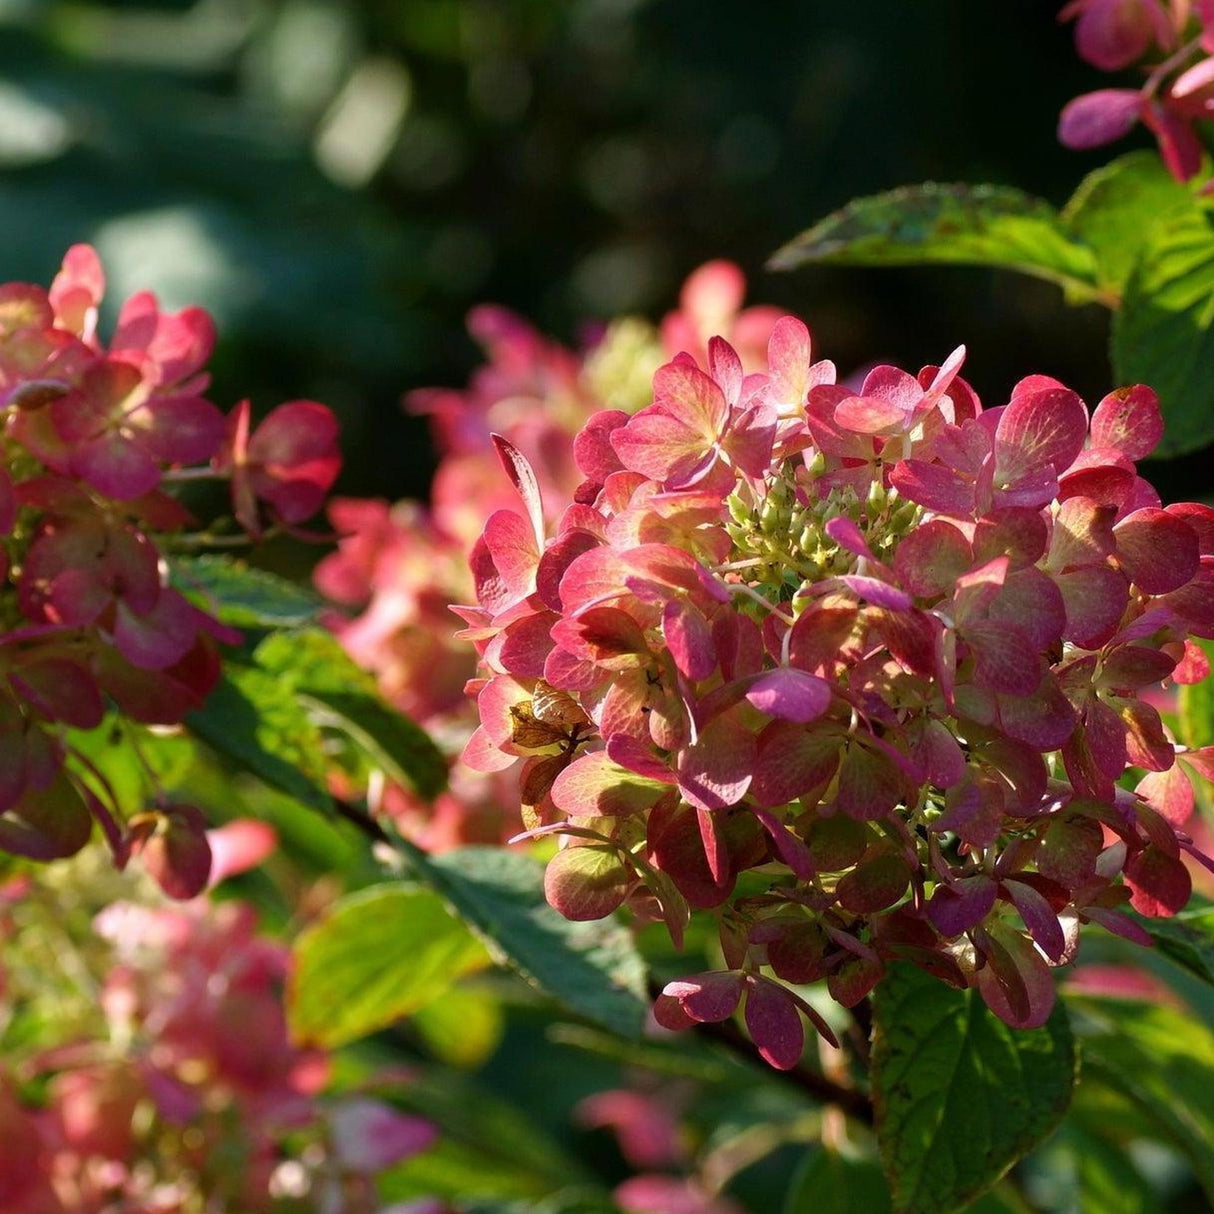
1163, 1061
1115, 208
377, 955
344, 696
255, 721
830, 1182
981, 225
244, 597
959, 1096
592, 968
1187, 938
462, 1026
1197, 707
1162, 333
1091, 1172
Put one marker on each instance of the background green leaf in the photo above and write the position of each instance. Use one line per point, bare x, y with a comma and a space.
959, 1096
1187, 938
377, 955
592, 968
1163, 1061
831, 1182
243, 596
1163, 334
980, 225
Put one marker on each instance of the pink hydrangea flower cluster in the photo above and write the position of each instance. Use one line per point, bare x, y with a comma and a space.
398, 567
188, 1094
1173, 40
95, 436
859, 669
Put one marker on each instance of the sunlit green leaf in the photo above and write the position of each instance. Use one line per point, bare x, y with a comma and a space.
242, 596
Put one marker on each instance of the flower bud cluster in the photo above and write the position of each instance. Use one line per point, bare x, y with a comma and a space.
95, 438
860, 669
162, 1079
1173, 41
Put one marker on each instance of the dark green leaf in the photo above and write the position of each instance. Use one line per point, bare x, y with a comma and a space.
1187, 938
1163, 1061
1162, 333
377, 955
1116, 207
980, 225
256, 722
320, 671
244, 597
1092, 1172
830, 1182
592, 968
959, 1096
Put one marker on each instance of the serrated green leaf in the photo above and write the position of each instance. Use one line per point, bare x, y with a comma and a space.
1115, 208
255, 722
462, 1026
591, 968
242, 596
1163, 1061
980, 225
830, 1182
1187, 938
315, 665
377, 955
1163, 333
958, 1095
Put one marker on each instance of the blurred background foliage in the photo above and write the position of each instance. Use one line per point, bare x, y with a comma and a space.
340, 181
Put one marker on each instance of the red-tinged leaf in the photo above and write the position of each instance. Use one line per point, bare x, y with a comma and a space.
596, 576
791, 850
1129, 420
790, 695
716, 770
676, 848
1200, 517
871, 414
594, 786
160, 638
1003, 660
788, 357
1169, 793
115, 466
877, 592
555, 561
797, 951
1146, 743
940, 754
61, 690
523, 646
586, 882
511, 544
1032, 604
669, 1013
749, 441
1130, 667
522, 477
869, 784
689, 639
1119, 925
931, 558
707, 998
47, 823
837, 843
671, 567
914, 637
1044, 719
854, 979
1194, 603
960, 907
175, 850
1039, 432
606, 636
1160, 884
774, 1024
973, 810
1158, 550
659, 446
934, 486
847, 535
875, 884
1100, 117
1016, 983
181, 429
715, 852
822, 636
1095, 599
1082, 533
1039, 918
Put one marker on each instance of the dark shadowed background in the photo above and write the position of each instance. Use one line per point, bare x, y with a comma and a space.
338, 182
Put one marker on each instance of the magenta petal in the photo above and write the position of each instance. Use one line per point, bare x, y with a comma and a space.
716, 770
1158, 550
1098, 118
790, 695
1129, 420
689, 640
707, 998
118, 467
935, 486
368, 1135
1039, 434
161, 637
791, 849
1016, 983
1038, 917
958, 908
1095, 598
774, 1024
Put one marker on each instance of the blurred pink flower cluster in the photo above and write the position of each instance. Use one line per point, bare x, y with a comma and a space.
398, 567
883, 651
95, 436
182, 1092
1173, 43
